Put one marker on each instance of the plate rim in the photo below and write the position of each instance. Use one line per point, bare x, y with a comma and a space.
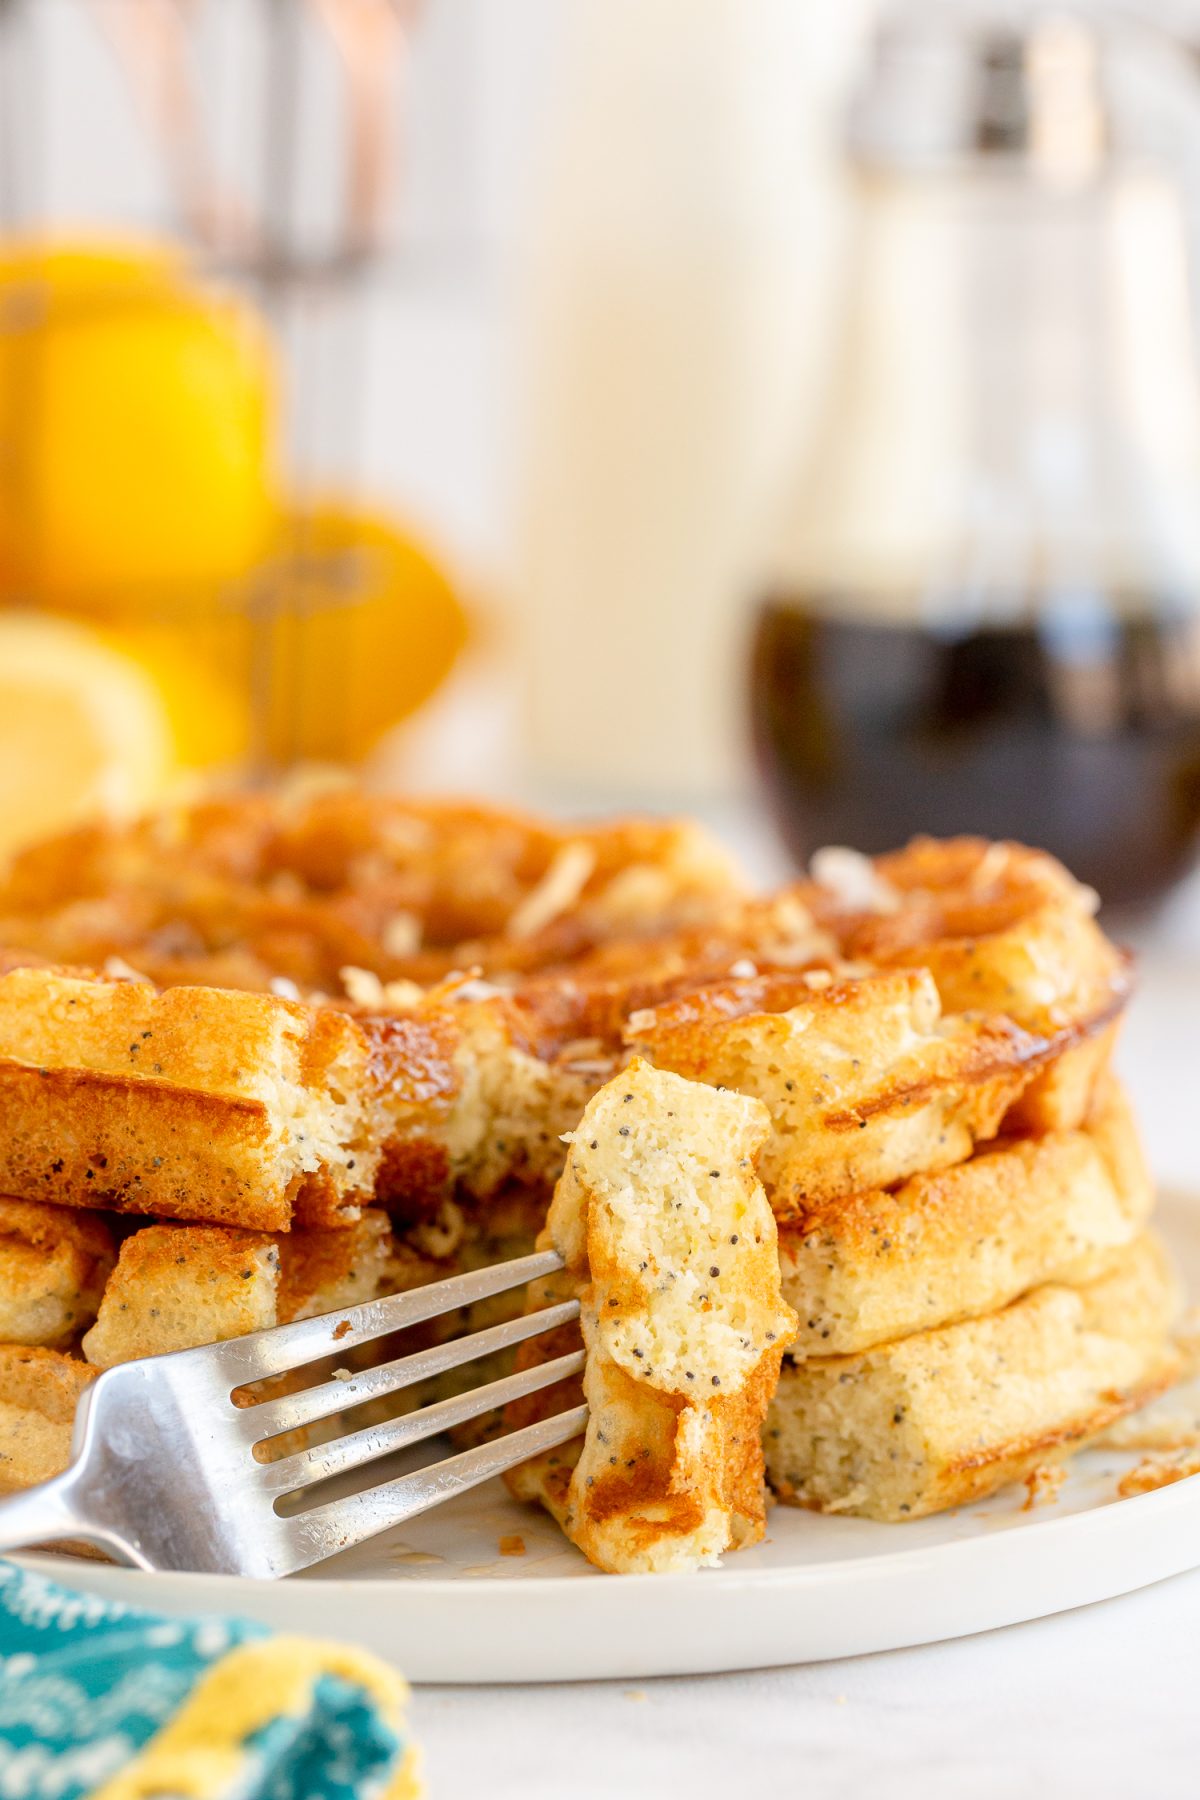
460, 1629
815, 1573
438, 1632
1094, 1518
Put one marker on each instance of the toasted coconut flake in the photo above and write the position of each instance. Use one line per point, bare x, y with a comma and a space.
992, 867
475, 988
402, 934
1043, 1485
559, 888
853, 880
402, 996
363, 987
1158, 1472
792, 937
117, 969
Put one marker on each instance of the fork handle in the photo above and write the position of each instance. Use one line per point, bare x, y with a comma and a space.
48, 1514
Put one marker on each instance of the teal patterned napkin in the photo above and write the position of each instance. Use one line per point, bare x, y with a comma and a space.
100, 1701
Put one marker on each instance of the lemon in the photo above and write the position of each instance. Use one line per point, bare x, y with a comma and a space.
137, 417
203, 680
362, 626
38, 272
369, 626
82, 729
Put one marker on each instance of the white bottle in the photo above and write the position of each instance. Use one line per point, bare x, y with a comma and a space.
676, 269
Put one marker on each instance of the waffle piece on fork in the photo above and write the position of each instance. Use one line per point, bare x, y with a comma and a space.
669, 1245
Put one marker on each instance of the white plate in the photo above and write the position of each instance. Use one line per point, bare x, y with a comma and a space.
438, 1599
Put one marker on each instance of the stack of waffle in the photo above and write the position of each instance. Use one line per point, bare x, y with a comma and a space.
269, 1056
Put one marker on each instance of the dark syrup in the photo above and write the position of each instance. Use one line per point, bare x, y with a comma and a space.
1074, 728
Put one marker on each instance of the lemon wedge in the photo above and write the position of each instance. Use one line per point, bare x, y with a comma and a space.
82, 730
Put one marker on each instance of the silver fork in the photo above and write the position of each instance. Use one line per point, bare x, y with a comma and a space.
163, 1472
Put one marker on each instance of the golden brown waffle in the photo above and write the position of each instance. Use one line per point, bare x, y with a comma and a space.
1002, 929
944, 1417
670, 1245
247, 891
990, 1003
179, 1285
54, 1263
39, 1390
883, 1263
189, 1103
865, 1081
356, 999
81, 1307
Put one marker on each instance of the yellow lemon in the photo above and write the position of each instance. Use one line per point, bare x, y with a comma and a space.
369, 626
82, 729
39, 272
136, 428
203, 680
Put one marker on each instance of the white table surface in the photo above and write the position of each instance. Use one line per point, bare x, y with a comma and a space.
1093, 1703
1103, 1701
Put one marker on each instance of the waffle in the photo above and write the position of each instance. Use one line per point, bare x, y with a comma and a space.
265, 1110
947, 1416
249, 1109
469, 1084
476, 1096
39, 1391
883, 1263
1001, 929
190, 1102
243, 892
54, 1263
669, 1242
865, 1080
979, 995
170, 1286
231, 1035
179, 1285
1003, 1030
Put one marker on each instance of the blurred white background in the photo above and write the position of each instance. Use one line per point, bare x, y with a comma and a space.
661, 279
595, 352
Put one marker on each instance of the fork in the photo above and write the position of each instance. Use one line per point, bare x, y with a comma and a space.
163, 1472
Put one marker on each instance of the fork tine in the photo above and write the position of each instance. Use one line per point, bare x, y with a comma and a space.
281, 1348
360, 1447
339, 1524
270, 1417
